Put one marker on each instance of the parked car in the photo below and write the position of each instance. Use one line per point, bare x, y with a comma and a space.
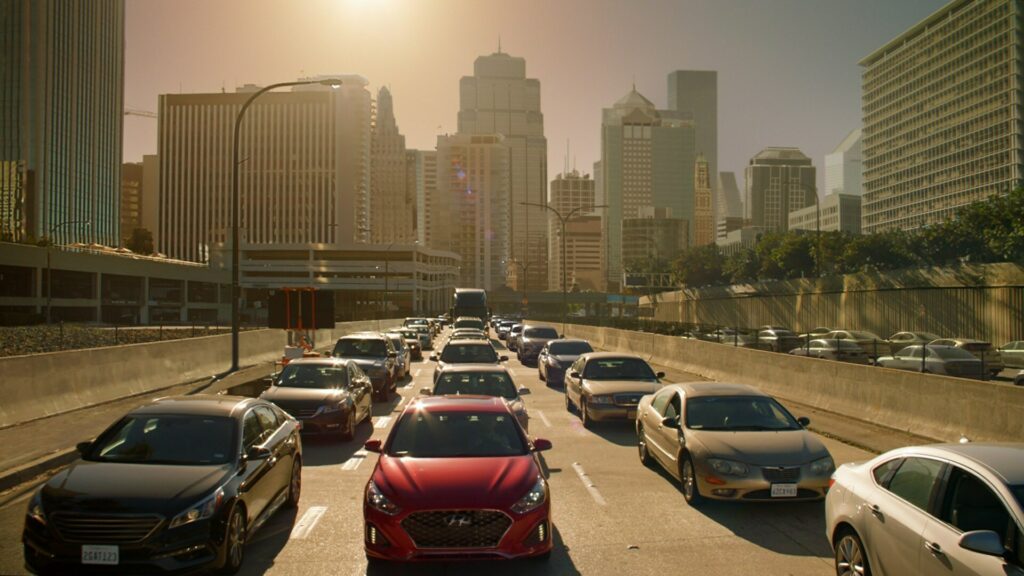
412, 340
982, 350
435, 493
482, 380
939, 509
1013, 354
376, 355
465, 352
935, 359
198, 473
328, 395
779, 339
818, 332
403, 362
741, 340
731, 442
1018, 380
901, 340
608, 386
532, 339
557, 356
872, 344
843, 350
513, 336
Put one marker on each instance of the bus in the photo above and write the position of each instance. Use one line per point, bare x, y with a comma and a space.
471, 302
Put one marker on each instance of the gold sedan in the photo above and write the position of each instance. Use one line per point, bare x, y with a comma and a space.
731, 442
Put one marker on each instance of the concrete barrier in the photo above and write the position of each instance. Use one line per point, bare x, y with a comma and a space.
938, 407
40, 385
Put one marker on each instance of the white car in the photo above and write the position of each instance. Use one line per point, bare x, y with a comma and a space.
945, 509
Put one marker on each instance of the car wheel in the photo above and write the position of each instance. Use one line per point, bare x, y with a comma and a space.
585, 415
350, 427
568, 402
641, 446
295, 485
688, 477
234, 542
850, 557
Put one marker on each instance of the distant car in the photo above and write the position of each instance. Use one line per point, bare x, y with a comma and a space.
779, 339
376, 355
1013, 354
946, 360
513, 336
199, 474
403, 361
466, 352
328, 395
557, 356
469, 322
608, 386
532, 339
943, 509
872, 344
982, 350
468, 334
502, 328
457, 477
901, 340
818, 332
412, 340
731, 442
842, 350
426, 338
482, 380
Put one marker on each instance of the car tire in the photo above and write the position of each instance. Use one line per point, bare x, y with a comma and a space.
588, 422
850, 557
234, 542
568, 403
295, 485
350, 428
641, 447
688, 478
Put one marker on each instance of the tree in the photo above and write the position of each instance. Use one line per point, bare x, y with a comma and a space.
741, 267
700, 266
140, 242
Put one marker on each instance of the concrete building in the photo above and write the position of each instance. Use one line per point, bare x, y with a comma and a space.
584, 254
653, 237
728, 202
703, 212
843, 166
151, 197
62, 86
421, 182
779, 181
499, 99
571, 194
941, 115
131, 199
15, 205
694, 93
472, 203
726, 225
647, 161
744, 238
839, 213
305, 177
392, 203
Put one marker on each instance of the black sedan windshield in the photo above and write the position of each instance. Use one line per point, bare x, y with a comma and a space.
737, 413
541, 333
454, 434
618, 369
469, 354
372, 348
307, 376
569, 348
482, 383
168, 439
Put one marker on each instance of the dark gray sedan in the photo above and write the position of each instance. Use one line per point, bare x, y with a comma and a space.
935, 359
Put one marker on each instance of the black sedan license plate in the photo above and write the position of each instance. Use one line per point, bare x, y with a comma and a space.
105, 555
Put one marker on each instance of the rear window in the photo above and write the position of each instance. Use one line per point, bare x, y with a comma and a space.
481, 383
952, 353
541, 333
569, 348
978, 347
371, 347
469, 353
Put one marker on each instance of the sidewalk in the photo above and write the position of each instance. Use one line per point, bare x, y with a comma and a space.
30, 449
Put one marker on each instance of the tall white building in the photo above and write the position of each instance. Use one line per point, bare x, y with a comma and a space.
571, 194
392, 204
842, 166
499, 99
421, 181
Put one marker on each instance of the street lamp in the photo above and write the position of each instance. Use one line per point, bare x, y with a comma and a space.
49, 269
562, 220
235, 252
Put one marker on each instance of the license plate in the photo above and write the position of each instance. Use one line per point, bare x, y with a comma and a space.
106, 555
783, 490
631, 414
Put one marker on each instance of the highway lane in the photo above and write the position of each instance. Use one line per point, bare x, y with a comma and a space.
611, 515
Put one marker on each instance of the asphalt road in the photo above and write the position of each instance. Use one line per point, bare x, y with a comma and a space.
611, 515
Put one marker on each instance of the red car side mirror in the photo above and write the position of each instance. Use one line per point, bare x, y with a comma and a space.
540, 444
372, 446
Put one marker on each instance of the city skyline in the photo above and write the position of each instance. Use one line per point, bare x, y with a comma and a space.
810, 89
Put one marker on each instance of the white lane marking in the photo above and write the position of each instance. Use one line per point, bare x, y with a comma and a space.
308, 521
543, 418
416, 374
356, 459
382, 422
588, 483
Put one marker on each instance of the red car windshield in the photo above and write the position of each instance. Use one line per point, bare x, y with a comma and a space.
423, 434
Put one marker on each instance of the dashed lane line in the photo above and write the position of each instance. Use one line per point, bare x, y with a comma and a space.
382, 422
308, 521
543, 418
416, 374
356, 459
588, 483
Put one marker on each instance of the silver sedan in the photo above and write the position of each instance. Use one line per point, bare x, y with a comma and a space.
951, 509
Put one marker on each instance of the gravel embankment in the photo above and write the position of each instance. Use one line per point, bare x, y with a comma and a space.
21, 340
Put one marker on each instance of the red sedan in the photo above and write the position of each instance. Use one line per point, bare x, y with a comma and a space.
457, 478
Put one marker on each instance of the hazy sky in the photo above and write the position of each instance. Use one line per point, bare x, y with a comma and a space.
787, 69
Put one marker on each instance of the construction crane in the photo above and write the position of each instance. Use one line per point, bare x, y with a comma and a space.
138, 112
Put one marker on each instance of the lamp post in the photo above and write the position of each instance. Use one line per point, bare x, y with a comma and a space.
526, 282
387, 292
49, 268
235, 208
562, 220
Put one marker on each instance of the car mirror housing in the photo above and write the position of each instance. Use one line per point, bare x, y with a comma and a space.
804, 421
541, 444
983, 542
433, 357
373, 446
83, 448
660, 374
257, 453
671, 422
574, 374
503, 358
523, 390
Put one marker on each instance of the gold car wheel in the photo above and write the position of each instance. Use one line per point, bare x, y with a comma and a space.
641, 446
688, 477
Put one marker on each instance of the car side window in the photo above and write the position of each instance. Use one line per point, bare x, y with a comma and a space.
674, 408
915, 481
660, 401
883, 472
268, 420
252, 430
970, 504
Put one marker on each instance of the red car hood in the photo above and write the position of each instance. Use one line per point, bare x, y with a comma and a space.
432, 483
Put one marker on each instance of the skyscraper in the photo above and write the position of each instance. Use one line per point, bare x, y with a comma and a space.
62, 88
843, 166
421, 180
779, 181
571, 193
499, 99
647, 160
694, 93
728, 203
392, 204
703, 214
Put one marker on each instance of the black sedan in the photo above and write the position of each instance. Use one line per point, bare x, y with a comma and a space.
328, 395
175, 485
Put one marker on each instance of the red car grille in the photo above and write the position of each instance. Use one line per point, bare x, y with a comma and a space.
457, 528
106, 529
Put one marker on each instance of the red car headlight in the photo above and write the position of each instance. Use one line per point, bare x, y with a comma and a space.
534, 497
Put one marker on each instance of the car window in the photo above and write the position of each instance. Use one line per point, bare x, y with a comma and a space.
482, 383
423, 434
661, 400
311, 376
252, 430
970, 504
953, 354
268, 420
167, 439
541, 333
673, 408
618, 369
570, 348
915, 353
367, 347
915, 481
746, 413
884, 471
467, 354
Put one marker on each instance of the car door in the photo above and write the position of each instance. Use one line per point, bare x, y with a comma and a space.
668, 436
574, 385
359, 389
257, 485
277, 440
897, 514
542, 358
970, 503
907, 360
651, 418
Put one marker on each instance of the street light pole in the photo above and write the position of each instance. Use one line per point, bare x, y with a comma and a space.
235, 209
387, 292
49, 268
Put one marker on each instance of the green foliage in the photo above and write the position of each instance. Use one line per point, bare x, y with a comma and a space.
701, 266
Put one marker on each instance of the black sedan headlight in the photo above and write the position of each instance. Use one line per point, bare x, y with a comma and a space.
201, 510
35, 508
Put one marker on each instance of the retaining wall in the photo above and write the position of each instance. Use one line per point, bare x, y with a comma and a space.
928, 405
39, 385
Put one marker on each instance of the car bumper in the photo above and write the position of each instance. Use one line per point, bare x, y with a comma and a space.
385, 538
606, 412
332, 423
757, 489
529, 353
